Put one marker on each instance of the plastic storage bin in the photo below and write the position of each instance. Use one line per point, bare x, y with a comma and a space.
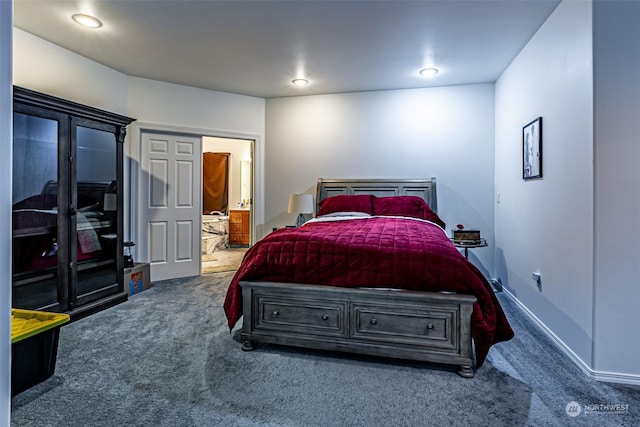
34, 347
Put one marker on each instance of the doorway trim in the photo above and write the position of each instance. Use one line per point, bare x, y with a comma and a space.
133, 147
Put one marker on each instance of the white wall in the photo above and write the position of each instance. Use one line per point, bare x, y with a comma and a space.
443, 132
240, 151
546, 225
616, 48
151, 101
6, 144
48, 68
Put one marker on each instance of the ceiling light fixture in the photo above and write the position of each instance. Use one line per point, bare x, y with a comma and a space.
300, 82
428, 72
86, 20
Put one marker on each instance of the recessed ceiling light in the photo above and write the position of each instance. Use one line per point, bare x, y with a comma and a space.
300, 82
87, 20
428, 72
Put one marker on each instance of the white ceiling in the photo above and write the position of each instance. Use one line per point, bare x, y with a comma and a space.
257, 47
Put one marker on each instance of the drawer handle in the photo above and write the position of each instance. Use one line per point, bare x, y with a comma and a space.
429, 325
373, 321
325, 317
275, 313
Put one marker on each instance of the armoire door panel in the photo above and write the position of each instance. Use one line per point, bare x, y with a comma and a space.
35, 234
96, 222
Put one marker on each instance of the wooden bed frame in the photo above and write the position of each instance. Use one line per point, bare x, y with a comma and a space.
424, 326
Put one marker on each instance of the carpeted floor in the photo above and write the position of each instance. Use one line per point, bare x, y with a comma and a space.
167, 358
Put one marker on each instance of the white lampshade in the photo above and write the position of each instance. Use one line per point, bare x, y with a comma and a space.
300, 203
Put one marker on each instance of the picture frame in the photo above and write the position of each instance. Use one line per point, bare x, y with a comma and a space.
532, 150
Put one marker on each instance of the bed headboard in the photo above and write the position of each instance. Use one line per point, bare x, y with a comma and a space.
424, 188
89, 192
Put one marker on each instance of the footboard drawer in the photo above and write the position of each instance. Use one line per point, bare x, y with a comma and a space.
423, 325
299, 315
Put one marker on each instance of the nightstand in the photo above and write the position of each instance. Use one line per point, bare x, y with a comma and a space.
467, 244
286, 226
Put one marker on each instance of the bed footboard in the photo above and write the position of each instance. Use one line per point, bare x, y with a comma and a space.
423, 326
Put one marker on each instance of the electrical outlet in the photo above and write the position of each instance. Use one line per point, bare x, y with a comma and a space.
538, 279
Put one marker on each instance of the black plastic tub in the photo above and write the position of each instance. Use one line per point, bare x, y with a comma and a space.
34, 347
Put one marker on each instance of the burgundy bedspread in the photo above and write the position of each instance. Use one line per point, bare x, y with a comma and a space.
373, 252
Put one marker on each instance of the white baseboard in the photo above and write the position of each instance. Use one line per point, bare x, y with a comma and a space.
611, 377
614, 377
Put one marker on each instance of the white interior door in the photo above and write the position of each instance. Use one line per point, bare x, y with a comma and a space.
170, 188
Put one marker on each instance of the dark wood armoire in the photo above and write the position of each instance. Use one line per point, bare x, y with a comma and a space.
67, 231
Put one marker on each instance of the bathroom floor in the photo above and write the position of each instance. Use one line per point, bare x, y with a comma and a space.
226, 260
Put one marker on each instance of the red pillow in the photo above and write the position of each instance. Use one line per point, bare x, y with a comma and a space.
347, 203
410, 206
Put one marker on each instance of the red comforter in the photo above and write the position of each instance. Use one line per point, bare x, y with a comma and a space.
373, 252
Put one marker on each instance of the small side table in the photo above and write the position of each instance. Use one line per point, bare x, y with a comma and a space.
286, 226
469, 245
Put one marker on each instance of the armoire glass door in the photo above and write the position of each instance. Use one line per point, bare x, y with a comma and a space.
94, 187
35, 238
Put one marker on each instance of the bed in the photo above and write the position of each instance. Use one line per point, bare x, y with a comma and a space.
374, 273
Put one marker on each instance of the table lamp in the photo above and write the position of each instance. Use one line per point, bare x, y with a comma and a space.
301, 204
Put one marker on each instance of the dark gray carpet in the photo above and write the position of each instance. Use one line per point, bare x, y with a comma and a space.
166, 358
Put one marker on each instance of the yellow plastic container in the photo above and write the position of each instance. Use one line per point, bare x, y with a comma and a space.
34, 347
27, 323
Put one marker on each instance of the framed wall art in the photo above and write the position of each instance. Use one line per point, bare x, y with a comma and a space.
532, 149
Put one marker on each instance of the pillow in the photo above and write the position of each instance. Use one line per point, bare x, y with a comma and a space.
410, 206
347, 214
343, 203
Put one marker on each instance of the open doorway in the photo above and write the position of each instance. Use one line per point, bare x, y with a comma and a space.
227, 184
